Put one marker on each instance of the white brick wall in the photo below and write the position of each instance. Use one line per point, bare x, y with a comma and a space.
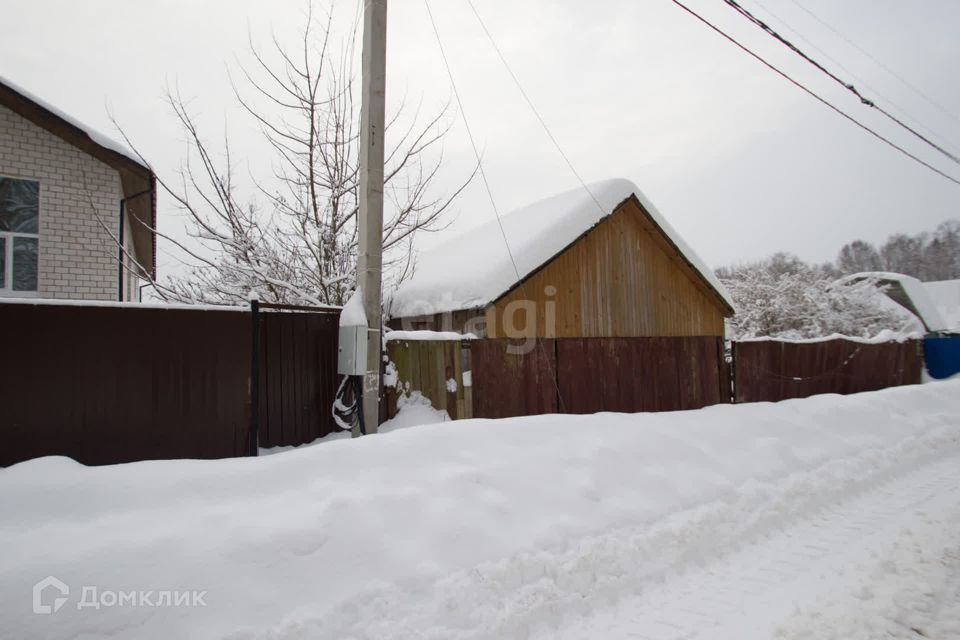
78, 258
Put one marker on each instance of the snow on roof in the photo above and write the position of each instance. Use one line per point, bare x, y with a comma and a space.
475, 269
99, 138
909, 292
946, 296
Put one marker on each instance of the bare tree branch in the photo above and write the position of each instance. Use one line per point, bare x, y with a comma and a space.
302, 247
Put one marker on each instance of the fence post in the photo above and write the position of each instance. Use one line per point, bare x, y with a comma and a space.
729, 371
254, 449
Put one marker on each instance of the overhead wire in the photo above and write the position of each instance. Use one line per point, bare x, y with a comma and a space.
573, 169
842, 67
530, 104
486, 182
740, 9
816, 96
877, 61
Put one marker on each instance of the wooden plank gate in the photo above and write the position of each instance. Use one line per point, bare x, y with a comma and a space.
640, 374
587, 375
429, 366
510, 380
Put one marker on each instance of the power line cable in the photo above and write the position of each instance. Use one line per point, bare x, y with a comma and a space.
814, 95
843, 68
847, 85
486, 185
533, 108
877, 61
566, 159
473, 144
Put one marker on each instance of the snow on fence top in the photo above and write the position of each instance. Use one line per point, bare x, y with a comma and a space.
475, 268
946, 297
167, 306
908, 292
64, 302
425, 335
99, 138
884, 336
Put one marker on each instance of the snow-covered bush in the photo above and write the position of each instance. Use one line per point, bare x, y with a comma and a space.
783, 297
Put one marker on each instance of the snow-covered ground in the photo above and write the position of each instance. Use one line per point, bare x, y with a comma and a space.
413, 410
825, 517
884, 563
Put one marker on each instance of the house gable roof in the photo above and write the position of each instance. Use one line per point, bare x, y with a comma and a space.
137, 179
946, 297
475, 269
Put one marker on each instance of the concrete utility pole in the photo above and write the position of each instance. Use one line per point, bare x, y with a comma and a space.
370, 258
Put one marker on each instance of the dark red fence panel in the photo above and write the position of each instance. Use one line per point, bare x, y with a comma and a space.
298, 376
769, 370
640, 374
510, 380
108, 384
587, 375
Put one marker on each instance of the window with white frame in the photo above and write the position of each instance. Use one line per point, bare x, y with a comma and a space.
19, 235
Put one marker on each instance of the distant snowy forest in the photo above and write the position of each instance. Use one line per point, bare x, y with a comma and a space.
783, 296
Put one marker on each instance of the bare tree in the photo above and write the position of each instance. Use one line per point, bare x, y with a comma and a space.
943, 252
859, 256
300, 245
903, 253
926, 256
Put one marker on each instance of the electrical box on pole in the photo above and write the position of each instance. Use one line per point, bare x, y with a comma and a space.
352, 350
352, 354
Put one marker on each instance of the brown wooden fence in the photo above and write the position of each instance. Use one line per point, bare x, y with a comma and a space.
108, 384
509, 380
769, 370
640, 374
587, 375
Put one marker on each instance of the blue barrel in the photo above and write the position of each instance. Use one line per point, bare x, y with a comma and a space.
941, 355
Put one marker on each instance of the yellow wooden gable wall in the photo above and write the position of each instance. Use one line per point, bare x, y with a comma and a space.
621, 279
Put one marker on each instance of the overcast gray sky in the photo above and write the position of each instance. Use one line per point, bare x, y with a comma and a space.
742, 163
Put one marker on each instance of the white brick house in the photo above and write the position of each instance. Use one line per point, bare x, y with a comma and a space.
69, 197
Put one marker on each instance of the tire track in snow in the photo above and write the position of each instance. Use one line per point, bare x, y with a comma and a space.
752, 592
537, 592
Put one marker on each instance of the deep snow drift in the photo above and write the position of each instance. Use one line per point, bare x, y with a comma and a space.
463, 529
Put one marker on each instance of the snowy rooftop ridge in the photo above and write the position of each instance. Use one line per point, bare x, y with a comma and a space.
475, 269
96, 136
906, 291
946, 297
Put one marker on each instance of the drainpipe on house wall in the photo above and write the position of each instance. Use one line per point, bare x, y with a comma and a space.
121, 240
